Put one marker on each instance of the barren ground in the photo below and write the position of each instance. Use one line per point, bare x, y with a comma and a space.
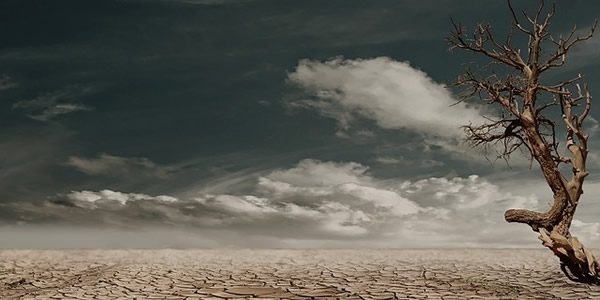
287, 274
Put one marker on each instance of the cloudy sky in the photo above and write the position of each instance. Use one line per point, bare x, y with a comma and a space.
258, 123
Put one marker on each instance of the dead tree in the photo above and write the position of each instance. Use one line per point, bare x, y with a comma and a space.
534, 117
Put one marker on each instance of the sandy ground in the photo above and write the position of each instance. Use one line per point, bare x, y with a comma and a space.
286, 274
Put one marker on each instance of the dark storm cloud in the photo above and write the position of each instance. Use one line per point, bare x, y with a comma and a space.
189, 99
201, 2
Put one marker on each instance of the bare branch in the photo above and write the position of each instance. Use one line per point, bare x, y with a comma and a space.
482, 36
588, 104
564, 45
516, 22
493, 90
558, 89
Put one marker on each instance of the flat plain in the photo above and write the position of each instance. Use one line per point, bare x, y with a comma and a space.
286, 274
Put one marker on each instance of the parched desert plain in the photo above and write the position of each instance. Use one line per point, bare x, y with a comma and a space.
286, 274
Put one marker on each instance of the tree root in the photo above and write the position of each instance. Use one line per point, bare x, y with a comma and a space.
576, 262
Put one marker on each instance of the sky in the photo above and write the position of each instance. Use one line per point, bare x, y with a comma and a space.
260, 123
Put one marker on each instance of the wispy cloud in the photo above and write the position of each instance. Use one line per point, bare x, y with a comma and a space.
50, 105
57, 110
6, 82
110, 165
404, 162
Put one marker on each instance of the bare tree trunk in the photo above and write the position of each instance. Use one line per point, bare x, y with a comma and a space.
577, 262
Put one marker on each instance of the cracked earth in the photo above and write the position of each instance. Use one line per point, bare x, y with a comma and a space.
286, 274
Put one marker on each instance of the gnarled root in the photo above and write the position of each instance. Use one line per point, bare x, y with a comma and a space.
576, 262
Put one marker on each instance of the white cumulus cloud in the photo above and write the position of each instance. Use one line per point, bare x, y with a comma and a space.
109, 196
392, 93
332, 201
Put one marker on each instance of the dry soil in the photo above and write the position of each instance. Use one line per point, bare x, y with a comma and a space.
286, 274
